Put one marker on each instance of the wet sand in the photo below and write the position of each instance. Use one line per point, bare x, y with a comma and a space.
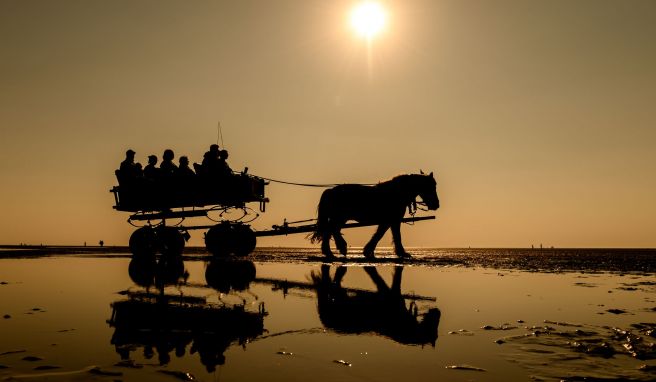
284, 314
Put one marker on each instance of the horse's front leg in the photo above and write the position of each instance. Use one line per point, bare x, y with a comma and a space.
396, 236
368, 250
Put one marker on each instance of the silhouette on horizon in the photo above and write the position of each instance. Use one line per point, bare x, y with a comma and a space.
383, 204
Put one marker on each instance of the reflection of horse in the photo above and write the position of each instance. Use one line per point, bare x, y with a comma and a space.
383, 312
383, 204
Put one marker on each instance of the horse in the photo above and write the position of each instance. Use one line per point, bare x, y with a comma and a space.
383, 204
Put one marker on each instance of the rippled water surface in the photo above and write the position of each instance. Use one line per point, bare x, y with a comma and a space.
283, 315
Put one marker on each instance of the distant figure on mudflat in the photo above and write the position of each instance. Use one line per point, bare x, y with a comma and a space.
167, 166
383, 204
151, 171
129, 169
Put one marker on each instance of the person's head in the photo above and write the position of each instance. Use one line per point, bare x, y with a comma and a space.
168, 155
184, 161
129, 154
152, 159
214, 148
223, 154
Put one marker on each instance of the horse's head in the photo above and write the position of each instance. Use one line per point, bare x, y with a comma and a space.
428, 191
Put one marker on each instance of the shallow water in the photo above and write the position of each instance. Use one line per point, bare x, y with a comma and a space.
84, 318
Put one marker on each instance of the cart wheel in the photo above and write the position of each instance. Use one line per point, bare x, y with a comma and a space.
143, 242
244, 240
218, 240
171, 241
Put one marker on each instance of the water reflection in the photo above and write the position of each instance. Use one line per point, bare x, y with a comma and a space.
165, 316
230, 275
383, 311
152, 320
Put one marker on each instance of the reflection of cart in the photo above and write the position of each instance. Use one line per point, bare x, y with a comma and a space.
171, 323
162, 323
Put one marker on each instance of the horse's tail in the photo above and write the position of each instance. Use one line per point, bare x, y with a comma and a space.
322, 218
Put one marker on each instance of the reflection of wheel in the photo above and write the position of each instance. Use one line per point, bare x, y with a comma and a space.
171, 241
142, 270
143, 242
231, 274
225, 238
170, 269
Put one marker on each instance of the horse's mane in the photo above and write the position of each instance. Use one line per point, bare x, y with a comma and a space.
397, 179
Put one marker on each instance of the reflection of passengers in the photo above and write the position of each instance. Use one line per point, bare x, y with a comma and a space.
151, 172
167, 166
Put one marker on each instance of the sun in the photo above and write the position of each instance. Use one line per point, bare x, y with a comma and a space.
368, 19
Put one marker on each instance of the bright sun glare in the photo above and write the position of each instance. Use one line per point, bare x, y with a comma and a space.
368, 19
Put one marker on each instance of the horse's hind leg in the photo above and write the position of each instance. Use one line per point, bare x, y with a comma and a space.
325, 245
396, 236
368, 250
340, 243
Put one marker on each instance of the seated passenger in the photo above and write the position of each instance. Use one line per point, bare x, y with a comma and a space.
167, 167
222, 166
210, 162
151, 172
183, 170
129, 170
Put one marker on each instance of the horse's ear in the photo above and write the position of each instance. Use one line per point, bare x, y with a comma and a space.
421, 171
431, 174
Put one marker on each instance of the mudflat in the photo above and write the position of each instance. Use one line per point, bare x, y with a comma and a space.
285, 314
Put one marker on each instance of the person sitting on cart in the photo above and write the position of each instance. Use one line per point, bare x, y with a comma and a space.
184, 171
210, 161
129, 170
151, 172
167, 167
222, 165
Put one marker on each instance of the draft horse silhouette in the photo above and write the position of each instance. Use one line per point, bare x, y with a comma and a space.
383, 204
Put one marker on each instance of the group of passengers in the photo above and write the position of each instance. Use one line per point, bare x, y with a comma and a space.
214, 166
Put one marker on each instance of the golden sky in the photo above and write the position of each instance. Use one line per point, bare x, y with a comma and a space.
538, 117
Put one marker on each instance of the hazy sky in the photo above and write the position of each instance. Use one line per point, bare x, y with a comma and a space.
538, 117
